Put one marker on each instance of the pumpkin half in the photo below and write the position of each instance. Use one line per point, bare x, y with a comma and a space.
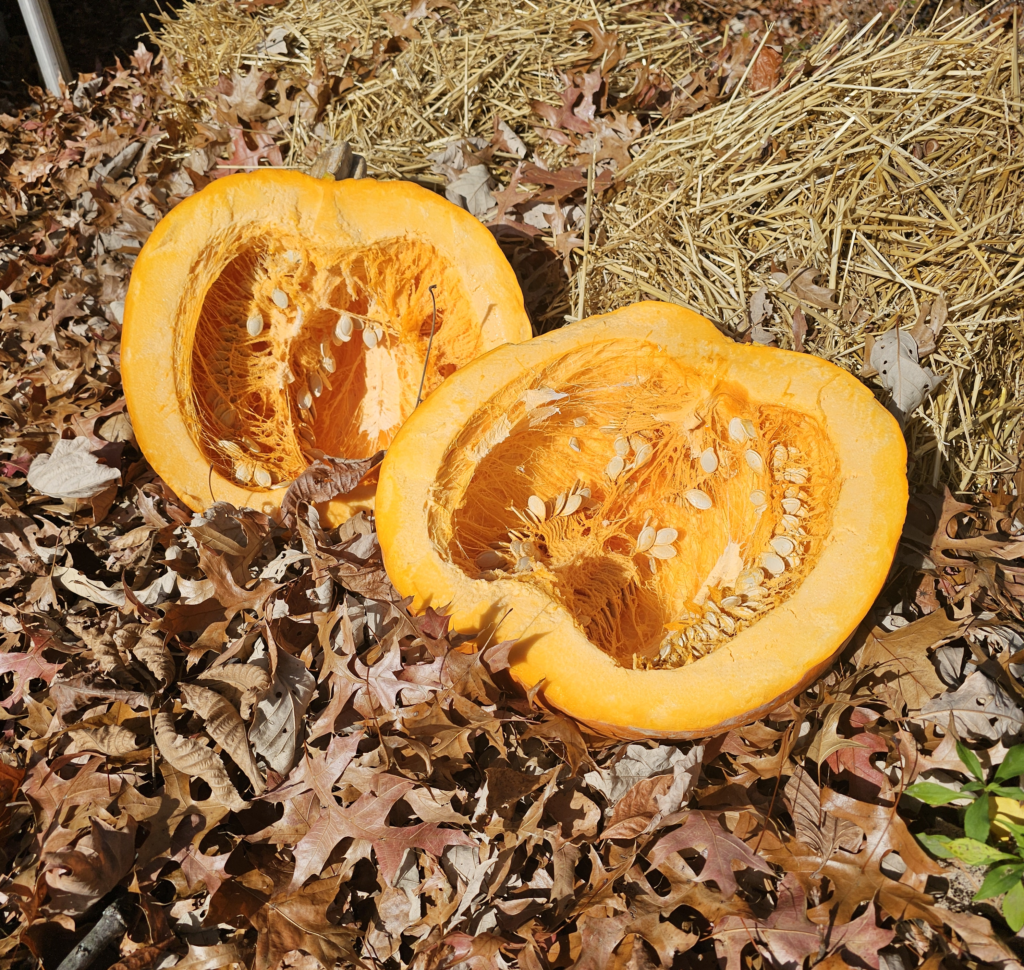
679, 531
273, 318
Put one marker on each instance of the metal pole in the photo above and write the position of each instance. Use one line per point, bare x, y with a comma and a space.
53, 64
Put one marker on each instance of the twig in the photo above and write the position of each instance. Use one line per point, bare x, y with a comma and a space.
430, 342
111, 925
586, 237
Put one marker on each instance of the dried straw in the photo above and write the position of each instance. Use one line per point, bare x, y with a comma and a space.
823, 171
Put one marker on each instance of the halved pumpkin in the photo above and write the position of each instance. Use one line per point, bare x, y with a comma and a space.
680, 531
274, 317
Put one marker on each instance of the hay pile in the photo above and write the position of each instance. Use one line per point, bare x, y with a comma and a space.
889, 162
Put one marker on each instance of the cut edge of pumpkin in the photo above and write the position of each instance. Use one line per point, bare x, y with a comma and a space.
750, 674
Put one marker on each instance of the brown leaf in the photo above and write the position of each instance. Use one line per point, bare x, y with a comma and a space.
83, 875
326, 479
225, 726
722, 851
899, 660
799, 329
818, 829
766, 71
194, 758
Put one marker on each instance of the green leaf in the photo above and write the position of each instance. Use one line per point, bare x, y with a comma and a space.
933, 794
976, 824
973, 786
999, 880
970, 759
1017, 793
1012, 765
936, 845
976, 853
1013, 908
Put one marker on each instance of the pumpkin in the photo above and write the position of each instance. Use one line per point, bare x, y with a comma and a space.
679, 531
273, 318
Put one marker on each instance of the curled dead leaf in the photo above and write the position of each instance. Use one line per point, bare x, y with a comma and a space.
148, 648
110, 739
242, 684
194, 758
226, 727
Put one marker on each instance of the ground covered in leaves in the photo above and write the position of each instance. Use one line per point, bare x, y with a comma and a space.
225, 736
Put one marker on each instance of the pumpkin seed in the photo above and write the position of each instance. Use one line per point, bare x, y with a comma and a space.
737, 431
536, 505
636, 442
727, 624
250, 445
316, 384
758, 497
709, 460
370, 338
711, 618
646, 539
698, 499
666, 536
730, 601
307, 433
304, 399
280, 298
579, 422
792, 505
263, 478
255, 324
574, 443
343, 328
523, 566
490, 559
572, 503
743, 612
789, 522
779, 453
643, 454
783, 545
621, 447
798, 476
243, 471
748, 579
755, 461
614, 468
793, 562
773, 563
380, 334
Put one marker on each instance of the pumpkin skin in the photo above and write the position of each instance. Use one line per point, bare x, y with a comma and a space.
652, 374
233, 324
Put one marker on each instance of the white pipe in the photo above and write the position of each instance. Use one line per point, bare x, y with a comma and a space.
53, 64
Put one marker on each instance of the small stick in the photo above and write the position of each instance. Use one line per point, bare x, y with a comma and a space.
430, 342
111, 925
586, 236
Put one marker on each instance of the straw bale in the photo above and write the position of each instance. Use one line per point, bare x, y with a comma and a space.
887, 161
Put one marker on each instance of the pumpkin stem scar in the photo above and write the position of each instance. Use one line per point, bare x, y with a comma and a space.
426, 357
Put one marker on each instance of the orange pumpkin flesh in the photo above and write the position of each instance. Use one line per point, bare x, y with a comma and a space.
737, 509
273, 317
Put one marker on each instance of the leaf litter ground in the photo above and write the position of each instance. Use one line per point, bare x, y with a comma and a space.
226, 739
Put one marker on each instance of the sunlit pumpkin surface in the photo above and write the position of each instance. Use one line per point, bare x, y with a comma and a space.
300, 351
664, 511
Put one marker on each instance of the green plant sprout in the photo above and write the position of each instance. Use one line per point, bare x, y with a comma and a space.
1006, 863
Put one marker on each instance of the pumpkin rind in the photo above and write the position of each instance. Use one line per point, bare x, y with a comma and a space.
748, 674
174, 329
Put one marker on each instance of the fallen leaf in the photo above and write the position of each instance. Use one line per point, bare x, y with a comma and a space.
71, 472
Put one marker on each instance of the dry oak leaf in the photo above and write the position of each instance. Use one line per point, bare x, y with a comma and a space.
296, 919
194, 758
26, 667
148, 647
72, 471
816, 828
80, 876
900, 660
723, 852
980, 708
226, 727
365, 819
787, 933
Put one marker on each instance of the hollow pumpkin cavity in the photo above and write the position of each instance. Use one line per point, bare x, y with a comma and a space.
296, 350
659, 504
